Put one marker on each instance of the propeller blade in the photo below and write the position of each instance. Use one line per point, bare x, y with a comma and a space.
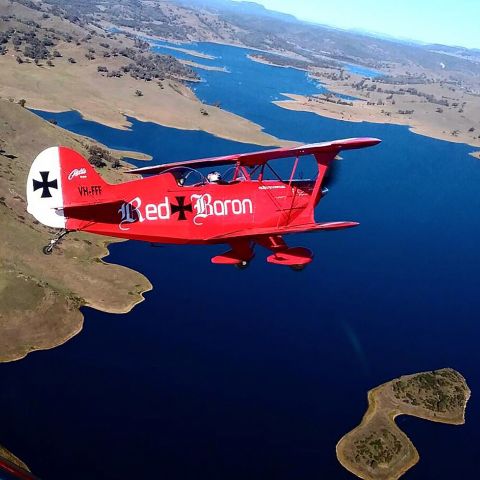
331, 176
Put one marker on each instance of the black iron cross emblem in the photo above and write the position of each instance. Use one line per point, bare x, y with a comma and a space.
181, 208
45, 185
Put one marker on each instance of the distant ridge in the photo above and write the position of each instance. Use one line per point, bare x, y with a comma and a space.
252, 8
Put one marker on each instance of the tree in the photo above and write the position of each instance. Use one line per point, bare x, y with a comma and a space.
50, 63
96, 161
138, 93
99, 156
72, 60
22, 102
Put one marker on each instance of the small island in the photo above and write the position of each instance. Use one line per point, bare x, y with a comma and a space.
377, 449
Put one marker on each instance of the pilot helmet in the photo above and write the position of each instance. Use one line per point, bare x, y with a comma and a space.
213, 177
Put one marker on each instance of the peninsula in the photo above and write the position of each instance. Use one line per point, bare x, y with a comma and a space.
429, 106
377, 449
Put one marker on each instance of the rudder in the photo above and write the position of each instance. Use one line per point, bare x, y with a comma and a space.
60, 178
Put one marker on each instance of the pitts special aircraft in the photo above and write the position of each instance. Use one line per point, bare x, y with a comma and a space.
65, 192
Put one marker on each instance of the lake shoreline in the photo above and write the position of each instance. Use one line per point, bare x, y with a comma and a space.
356, 114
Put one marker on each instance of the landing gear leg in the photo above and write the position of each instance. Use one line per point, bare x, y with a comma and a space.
48, 249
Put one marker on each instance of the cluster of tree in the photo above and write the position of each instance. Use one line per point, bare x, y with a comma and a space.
340, 76
329, 97
428, 96
30, 4
166, 30
364, 86
99, 157
439, 390
152, 67
36, 50
4, 37
36, 47
377, 448
405, 79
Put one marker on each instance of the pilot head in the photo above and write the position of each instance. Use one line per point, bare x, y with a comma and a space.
214, 177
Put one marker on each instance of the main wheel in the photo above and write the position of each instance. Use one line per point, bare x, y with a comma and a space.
297, 268
48, 249
242, 265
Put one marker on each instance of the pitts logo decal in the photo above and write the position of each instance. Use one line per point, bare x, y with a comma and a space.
204, 207
77, 172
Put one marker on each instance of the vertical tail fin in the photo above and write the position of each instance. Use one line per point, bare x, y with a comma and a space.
59, 178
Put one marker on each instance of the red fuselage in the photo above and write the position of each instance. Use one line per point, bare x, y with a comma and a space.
158, 209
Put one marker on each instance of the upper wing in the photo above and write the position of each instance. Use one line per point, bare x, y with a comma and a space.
260, 158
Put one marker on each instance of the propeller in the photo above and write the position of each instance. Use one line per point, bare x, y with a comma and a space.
331, 175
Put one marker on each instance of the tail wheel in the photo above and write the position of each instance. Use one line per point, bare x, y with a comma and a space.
47, 249
242, 265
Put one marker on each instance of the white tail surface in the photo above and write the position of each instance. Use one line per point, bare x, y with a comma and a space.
44, 189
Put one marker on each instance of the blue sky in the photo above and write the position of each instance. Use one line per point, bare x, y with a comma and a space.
441, 21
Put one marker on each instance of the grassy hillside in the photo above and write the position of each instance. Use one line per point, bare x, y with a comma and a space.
39, 294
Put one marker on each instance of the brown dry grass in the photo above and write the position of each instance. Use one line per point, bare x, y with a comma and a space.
39, 294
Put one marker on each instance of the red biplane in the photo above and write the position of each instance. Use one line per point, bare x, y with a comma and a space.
177, 204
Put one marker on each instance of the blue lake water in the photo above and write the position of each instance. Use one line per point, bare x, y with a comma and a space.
257, 374
364, 71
